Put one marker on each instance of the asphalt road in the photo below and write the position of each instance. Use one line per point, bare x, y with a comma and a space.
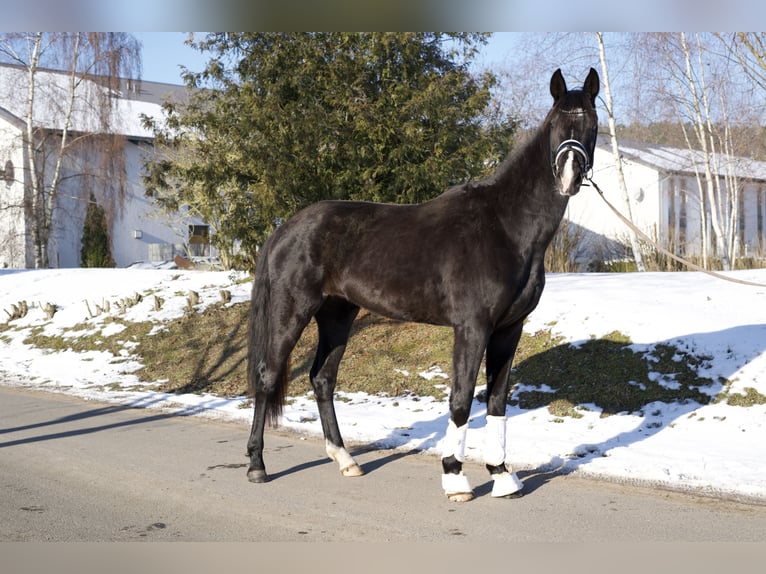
73, 470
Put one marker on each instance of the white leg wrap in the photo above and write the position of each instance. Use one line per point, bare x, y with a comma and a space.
454, 441
494, 440
455, 484
339, 455
506, 483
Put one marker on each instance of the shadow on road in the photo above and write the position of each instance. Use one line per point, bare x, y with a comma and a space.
90, 414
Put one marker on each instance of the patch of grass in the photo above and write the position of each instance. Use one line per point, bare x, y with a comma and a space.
207, 352
201, 352
564, 408
605, 372
114, 344
750, 398
378, 347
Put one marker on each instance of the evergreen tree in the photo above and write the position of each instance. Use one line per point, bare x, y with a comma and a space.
288, 119
95, 250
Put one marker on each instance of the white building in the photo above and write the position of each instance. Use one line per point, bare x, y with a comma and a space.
139, 231
665, 199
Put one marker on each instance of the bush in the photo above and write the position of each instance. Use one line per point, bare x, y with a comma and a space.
95, 250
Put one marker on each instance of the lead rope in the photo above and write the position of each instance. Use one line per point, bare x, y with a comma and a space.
649, 240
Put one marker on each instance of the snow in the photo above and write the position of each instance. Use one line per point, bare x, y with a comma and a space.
715, 449
53, 88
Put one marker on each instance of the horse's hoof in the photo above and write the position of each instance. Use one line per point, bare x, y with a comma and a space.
257, 476
511, 496
460, 496
456, 487
353, 470
506, 485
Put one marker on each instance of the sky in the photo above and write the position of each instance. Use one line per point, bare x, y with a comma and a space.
163, 52
714, 449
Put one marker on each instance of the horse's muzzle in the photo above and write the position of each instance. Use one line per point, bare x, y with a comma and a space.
570, 179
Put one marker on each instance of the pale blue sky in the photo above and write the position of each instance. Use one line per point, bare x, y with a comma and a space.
164, 52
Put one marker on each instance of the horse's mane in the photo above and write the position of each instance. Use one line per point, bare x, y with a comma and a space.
531, 142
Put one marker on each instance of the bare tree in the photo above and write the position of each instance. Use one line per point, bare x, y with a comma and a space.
69, 83
694, 80
616, 150
683, 88
749, 49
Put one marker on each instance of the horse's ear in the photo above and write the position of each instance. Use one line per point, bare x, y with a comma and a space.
558, 85
591, 86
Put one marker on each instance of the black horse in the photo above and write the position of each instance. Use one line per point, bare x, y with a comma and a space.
471, 258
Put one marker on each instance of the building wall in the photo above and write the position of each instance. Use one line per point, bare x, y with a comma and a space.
753, 218
666, 206
588, 211
137, 223
141, 223
16, 242
12, 228
682, 219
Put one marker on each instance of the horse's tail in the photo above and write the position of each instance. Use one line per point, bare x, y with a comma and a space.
258, 350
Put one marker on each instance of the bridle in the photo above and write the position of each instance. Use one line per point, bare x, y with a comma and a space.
584, 158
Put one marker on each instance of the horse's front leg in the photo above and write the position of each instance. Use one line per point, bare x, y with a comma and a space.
467, 353
500, 351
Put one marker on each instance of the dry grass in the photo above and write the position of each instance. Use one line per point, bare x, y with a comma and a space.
206, 353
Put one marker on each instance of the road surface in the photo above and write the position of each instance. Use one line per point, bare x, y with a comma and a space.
74, 470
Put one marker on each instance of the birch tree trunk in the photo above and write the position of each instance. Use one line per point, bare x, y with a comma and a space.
53, 186
36, 203
616, 152
700, 109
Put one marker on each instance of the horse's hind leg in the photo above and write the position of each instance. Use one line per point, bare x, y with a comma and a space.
271, 343
500, 350
334, 320
256, 472
269, 387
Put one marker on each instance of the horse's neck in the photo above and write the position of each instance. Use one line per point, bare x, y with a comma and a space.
526, 194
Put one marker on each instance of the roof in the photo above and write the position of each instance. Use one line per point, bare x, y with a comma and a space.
683, 161
52, 89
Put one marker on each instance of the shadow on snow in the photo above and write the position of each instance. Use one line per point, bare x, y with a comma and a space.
600, 374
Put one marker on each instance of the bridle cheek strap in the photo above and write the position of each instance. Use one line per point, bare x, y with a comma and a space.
578, 148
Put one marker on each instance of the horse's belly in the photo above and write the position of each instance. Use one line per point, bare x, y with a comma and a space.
400, 300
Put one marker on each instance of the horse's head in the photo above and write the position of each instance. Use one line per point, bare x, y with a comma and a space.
572, 128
